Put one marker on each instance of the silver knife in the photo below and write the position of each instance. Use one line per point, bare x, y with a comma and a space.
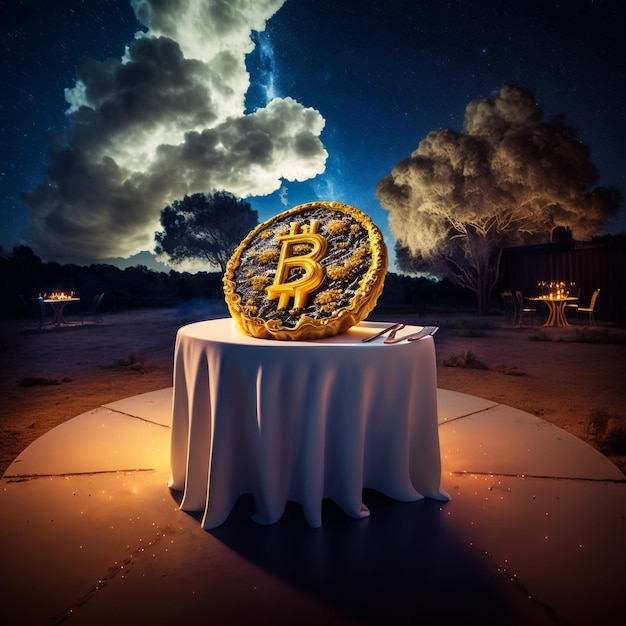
390, 329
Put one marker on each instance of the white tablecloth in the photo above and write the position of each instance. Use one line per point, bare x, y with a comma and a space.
301, 421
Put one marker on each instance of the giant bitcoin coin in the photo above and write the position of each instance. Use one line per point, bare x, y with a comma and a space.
310, 272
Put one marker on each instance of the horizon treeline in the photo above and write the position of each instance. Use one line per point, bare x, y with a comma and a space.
25, 274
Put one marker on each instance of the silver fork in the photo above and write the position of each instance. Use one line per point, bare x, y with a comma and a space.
427, 330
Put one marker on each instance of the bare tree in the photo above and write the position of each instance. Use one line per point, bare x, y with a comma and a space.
508, 178
204, 226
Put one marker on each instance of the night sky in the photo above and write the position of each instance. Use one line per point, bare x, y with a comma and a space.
337, 94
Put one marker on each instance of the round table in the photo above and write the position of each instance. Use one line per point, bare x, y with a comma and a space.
57, 305
301, 421
556, 309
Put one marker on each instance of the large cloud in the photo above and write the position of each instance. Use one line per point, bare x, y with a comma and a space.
166, 120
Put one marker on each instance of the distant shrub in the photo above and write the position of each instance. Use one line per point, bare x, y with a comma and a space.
607, 431
540, 335
134, 361
594, 335
466, 360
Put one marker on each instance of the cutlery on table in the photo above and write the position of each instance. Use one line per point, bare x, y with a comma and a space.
393, 329
425, 332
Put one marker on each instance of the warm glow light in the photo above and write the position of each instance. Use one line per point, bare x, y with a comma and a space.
59, 295
556, 289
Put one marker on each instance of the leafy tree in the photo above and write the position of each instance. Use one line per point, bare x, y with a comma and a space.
508, 178
204, 226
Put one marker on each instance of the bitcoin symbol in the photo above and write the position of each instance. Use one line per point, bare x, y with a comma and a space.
313, 272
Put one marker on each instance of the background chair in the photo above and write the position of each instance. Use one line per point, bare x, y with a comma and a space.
573, 306
35, 309
589, 309
509, 306
94, 312
524, 310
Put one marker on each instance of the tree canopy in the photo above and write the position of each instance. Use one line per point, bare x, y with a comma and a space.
204, 226
508, 178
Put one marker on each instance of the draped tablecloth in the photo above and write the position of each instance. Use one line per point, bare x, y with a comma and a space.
301, 421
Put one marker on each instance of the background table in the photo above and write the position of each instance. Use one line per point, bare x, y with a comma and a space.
57, 306
301, 421
556, 309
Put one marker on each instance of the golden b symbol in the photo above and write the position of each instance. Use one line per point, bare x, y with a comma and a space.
313, 272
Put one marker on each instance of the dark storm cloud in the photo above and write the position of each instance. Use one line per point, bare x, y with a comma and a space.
155, 88
166, 120
280, 140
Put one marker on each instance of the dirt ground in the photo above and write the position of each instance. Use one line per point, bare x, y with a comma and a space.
52, 375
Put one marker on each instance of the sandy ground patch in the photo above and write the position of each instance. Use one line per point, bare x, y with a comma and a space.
50, 376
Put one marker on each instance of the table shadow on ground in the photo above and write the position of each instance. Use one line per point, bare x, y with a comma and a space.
401, 565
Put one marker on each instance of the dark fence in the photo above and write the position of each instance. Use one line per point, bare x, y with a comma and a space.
590, 265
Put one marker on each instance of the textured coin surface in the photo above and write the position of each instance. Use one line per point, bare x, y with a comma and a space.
310, 272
